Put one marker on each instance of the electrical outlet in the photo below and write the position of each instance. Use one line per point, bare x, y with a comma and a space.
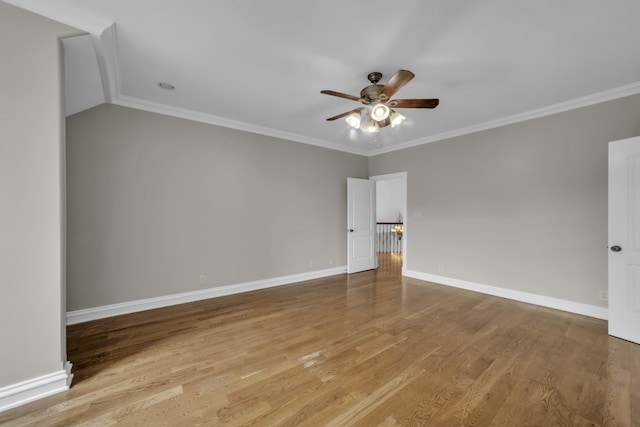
330, 260
604, 295
311, 264
202, 280
441, 268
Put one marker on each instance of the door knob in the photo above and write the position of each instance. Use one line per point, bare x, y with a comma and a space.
616, 248
351, 230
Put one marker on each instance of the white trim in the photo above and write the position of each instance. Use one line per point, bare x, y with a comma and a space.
106, 49
85, 315
585, 101
27, 391
140, 104
541, 300
397, 175
66, 13
67, 368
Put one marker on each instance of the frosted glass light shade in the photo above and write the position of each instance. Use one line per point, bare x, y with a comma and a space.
379, 112
372, 126
396, 119
354, 120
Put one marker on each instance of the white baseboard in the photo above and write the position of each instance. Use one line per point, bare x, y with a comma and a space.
555, 303
27, 391
85, 315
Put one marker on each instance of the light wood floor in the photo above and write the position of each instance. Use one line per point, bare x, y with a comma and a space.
371, 349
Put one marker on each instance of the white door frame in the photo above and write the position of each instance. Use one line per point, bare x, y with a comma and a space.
403, 177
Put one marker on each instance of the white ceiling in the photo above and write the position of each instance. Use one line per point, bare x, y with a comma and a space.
259, 65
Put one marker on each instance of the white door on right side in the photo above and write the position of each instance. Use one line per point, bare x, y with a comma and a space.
624, 239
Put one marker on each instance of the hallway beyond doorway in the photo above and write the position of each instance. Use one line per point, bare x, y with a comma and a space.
390, 263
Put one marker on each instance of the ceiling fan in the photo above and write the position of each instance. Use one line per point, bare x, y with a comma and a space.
378, 103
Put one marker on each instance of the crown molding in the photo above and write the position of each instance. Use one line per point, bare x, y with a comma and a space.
140, 104
104, 34
66, 13
608, 95
106, 50
596, 98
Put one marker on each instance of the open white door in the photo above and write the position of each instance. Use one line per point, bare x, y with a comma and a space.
361, 225
624, 239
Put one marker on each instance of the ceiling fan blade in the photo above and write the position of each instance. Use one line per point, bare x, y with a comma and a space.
414, 103
339, 116
341, 95
396, 82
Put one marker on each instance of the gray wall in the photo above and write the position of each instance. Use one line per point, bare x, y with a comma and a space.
154, 202
522, 207
31, 143
390, 199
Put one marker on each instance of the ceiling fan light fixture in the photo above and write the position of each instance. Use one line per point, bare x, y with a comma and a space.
396, 118
379, 112
372, 126
353, 120
378, 103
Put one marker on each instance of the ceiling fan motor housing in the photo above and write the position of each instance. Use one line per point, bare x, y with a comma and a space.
371, 94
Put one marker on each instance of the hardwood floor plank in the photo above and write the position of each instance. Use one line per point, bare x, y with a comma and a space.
368, 349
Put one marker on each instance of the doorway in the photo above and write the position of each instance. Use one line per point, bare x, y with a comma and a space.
391, 219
